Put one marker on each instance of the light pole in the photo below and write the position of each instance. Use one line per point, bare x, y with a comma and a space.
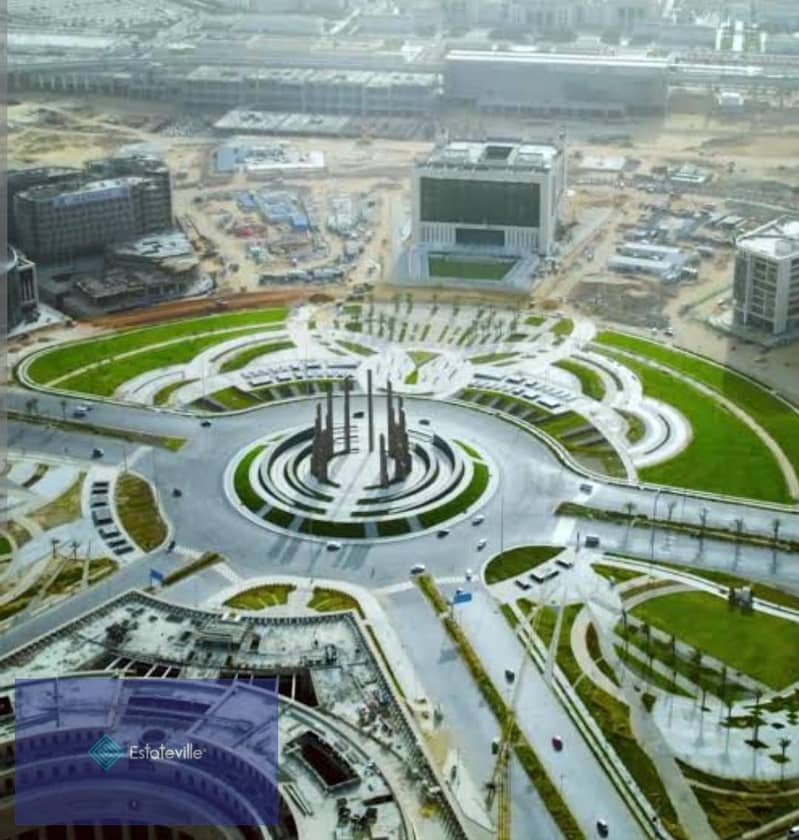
652, 532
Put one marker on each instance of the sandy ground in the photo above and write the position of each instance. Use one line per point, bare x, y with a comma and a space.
57, 131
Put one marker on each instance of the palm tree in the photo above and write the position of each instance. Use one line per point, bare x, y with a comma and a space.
64, 409
647, 631
756, 719
784, 744
703, 514
776, 524
739, 526
723, 680
673, 646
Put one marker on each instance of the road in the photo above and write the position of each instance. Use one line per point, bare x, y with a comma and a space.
531, 485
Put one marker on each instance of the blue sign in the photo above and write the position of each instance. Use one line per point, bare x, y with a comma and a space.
156, 576
461, 597
109, 751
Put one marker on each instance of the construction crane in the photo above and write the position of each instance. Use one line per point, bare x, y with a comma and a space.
499, 785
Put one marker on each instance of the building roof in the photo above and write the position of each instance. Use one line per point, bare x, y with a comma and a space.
514, 57
493, 154
777, 240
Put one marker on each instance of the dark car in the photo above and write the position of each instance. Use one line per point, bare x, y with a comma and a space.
557, 743
205, 423
602, 828
177, 492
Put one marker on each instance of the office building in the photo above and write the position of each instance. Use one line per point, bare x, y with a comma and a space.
502, 197
115, 200
21, 291
766, 279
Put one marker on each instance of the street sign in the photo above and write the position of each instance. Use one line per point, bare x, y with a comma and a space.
461, 597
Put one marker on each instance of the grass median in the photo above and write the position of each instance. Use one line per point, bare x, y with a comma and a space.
724, 455
547, 790
776, 416
67, 358
138, 510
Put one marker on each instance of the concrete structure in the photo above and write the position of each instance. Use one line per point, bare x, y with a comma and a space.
496, 197
556, 85
766, 279
307, 90
21, 291
114, 200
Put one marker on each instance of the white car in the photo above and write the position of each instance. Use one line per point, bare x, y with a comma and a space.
481, 544
479, 519
469, 574
418, 569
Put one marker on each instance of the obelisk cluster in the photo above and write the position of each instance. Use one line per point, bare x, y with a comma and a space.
393, 444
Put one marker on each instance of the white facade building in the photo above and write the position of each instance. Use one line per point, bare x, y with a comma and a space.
766, 281
496, 197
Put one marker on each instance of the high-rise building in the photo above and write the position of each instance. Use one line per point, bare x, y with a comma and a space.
114, 200
498, 196
766, 280
20, 289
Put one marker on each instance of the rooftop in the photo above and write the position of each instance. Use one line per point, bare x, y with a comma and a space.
494, 154
779, 238
514, 57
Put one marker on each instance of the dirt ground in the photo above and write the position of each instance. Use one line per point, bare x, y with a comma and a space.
53, 130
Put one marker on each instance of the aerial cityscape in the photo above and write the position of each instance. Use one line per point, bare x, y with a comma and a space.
401, 433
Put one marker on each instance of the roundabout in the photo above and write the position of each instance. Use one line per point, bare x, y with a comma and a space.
360, 473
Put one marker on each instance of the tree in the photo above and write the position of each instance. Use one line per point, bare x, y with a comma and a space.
64, 404
723, 682
776, 524
756, 719
647, 631
739, 526
703, 514
784, 744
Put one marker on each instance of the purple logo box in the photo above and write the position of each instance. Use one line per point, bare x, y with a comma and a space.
107, 751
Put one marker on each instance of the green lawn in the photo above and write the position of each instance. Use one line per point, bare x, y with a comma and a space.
235, 399
69, 357
490, 358
261, 597
241, 481
563, 327
360, 349
469, 268
464, 500
239, 360
724, 455
518, 560
137, 508
759, 645
107, 376
163, 394
534, 320
590, 381
332, 600
422, 357
778, 418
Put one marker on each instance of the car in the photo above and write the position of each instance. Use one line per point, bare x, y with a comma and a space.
177, 492
481, 544
592, 542
793, 831
586, 488
442, 532
602, 828
205, 423
97, 452
333, 546
424, 422
479, 519
557, 743
171, 545
418, 569
80, 411
469, 574
358, 415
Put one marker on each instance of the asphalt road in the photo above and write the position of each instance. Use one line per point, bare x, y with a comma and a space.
531, 485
